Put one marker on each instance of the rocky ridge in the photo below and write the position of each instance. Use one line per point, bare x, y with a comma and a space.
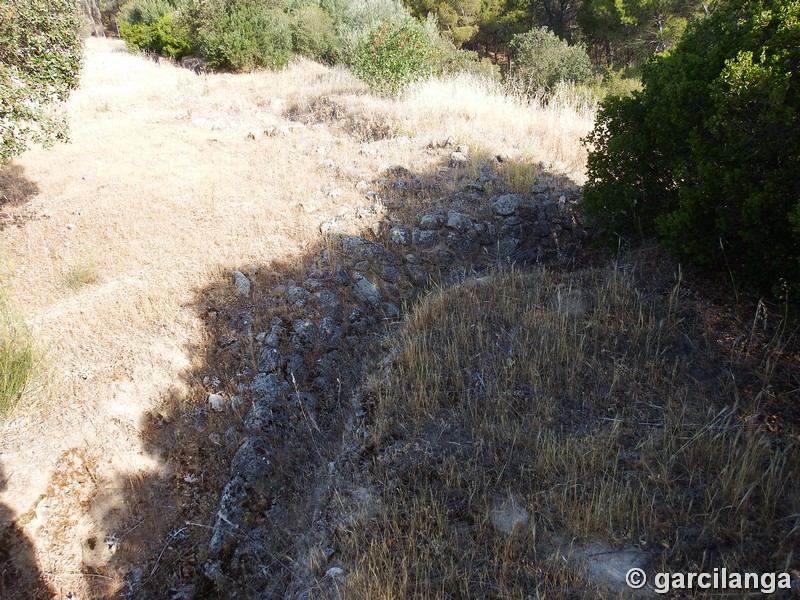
316, 339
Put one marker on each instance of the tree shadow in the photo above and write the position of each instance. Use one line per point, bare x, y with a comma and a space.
20, 578
15, 190
15, 187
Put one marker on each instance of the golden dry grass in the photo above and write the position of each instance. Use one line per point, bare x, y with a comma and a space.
585, 400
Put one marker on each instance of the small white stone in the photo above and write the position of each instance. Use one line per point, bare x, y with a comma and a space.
242, 283
216, 402
334, 572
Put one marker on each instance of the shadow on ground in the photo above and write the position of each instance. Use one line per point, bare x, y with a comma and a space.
282, 364
20, 578
15, 190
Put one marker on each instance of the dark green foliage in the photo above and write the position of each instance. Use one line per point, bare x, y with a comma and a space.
314, 33
40, 58
629, 31
145, 12
457, 19
165, 35
541, 61
708, 155
251, 36
393, 55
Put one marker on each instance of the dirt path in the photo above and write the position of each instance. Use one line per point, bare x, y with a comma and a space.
168, 182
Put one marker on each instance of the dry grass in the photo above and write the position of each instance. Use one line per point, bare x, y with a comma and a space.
585, 400
21, 362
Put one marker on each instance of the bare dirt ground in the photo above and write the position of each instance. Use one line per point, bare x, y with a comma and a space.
168, 181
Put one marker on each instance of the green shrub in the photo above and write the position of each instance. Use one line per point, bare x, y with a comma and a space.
393, 55
708, 154
41, 50
252, 36
354, 19
18, 359
314, 33
448, 59
541, 60
163, 37
145, 12
152, 26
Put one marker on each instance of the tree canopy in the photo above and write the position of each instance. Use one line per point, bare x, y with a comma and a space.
707, 156
41, 51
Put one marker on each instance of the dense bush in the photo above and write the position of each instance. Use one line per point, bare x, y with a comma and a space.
393, 55
314, 33
448, 59
708, 154
249, 37
541, 60
163, 36
154, 26
355, 19
40, 57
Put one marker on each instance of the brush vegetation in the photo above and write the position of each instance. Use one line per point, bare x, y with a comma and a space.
707, 155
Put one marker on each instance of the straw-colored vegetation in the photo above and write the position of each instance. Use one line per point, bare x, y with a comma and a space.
579, 407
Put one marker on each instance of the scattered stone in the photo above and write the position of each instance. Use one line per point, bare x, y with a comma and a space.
305, 400
417, 274
329, 303
486, 233
296, 294
340, 276
230, 513
432, 222
334, 572
424, 239
506, 204
312, 284
252, 462
273, 338
459, 222
607, 566
242, 283
569, 302
507, 247
391, 274
304, 334
330, 333
390, 310
278, 291
508, 514
458, 158
399, 236
269, 360
265, 385
365, 291
216, 402
358, 248
334, 225
295, 370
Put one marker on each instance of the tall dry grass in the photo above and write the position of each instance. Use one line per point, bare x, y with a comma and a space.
570, 403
